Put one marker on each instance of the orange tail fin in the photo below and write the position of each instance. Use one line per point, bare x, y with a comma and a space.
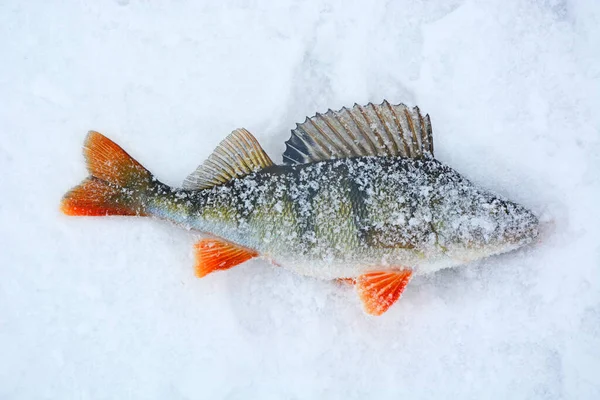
117, 186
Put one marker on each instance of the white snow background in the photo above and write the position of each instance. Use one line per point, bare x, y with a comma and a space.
109, 308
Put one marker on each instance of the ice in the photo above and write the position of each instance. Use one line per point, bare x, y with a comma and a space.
106, 308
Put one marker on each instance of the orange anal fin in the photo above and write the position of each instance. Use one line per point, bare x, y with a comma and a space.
216, 255
378, 290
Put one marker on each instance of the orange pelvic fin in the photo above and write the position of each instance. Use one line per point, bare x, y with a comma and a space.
116, 185
216, 255
347, 281
378, 290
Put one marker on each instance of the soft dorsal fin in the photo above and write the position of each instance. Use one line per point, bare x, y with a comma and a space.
371, 130
239, 154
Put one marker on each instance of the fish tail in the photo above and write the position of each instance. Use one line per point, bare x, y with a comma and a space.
117, 185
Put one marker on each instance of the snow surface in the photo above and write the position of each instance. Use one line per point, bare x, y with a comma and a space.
108, 308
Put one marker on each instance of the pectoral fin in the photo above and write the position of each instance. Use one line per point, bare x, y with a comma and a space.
215, 255
378, 290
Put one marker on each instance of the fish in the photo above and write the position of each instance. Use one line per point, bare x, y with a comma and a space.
358, 198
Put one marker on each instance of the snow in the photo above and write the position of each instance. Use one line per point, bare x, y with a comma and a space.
108, 308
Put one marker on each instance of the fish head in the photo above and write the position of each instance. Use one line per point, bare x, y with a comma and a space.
486, 225
517, 225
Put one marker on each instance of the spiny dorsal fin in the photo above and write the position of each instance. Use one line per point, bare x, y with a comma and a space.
238, 155
371, 130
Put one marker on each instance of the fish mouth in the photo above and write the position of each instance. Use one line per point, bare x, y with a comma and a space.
523, 233
546, 228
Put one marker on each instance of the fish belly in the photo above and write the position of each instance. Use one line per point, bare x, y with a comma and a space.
335, 269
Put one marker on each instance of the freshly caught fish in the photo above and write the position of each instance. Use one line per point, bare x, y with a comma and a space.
359, 197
